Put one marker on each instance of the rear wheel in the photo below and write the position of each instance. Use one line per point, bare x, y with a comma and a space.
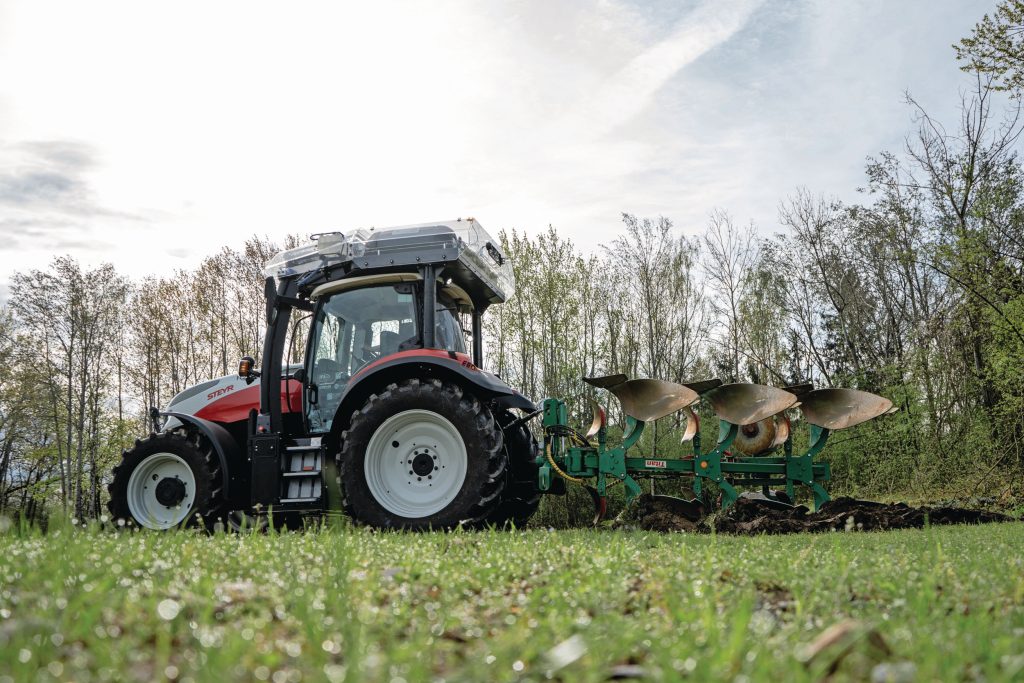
421, 455
521, 497
169, 479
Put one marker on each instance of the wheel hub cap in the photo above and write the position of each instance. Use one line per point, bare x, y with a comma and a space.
170, 492
423, 463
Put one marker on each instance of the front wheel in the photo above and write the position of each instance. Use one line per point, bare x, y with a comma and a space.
421, 455
168, 480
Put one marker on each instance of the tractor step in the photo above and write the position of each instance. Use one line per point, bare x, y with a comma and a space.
301, 471
310, 444
302, 462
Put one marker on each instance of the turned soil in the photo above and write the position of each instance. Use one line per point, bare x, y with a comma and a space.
755, 515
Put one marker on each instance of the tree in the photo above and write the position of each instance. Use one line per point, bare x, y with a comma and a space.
68, 317
973, 178
996, 47
730, 253
655, 312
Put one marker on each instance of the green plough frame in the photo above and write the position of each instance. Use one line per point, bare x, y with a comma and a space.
605, 463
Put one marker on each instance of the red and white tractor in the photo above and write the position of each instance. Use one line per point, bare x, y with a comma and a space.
389, 399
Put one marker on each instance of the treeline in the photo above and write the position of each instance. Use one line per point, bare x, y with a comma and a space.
916, 293
84, 353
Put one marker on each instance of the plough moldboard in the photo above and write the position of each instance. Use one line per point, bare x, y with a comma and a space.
754, 425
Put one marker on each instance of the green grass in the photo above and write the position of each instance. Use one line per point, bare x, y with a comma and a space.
355, 605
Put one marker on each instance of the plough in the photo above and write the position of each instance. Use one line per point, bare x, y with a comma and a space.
753, 425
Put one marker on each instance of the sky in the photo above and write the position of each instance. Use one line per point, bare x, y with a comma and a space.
150, 134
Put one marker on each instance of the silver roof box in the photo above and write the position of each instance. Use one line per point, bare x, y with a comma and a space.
472, 253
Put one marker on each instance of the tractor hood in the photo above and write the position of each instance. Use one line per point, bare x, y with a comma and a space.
230, 398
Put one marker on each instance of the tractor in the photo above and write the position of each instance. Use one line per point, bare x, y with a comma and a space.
389, 401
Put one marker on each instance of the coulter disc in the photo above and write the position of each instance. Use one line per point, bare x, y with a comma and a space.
756, 437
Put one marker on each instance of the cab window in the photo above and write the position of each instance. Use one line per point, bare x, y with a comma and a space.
448, 334
352, 329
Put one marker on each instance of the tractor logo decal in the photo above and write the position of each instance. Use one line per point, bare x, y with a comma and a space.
660, 464
220, 392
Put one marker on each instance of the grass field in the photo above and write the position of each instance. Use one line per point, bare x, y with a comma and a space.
942, 604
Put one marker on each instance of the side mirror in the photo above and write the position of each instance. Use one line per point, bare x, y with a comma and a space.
246, 369
299, 375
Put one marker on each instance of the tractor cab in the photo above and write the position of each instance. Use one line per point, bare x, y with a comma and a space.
367, 320
371, 304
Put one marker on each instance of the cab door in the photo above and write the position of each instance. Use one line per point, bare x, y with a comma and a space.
352, 329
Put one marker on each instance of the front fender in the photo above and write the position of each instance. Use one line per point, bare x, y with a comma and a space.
229, 453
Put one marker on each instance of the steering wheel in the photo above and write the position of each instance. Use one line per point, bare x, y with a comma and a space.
366, 356
326, 371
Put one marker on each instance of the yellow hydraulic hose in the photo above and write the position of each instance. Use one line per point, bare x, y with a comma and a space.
557, 469
564, 475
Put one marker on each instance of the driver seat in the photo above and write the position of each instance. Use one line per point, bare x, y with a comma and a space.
388, 343
407, 334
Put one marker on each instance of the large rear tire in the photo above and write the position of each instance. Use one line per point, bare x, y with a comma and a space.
521, 497
421, 455
167, 480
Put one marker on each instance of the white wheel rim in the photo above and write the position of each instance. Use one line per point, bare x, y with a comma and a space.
147, 510
421, 436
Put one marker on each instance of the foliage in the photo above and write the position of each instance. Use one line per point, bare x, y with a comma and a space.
996, 47
84, 353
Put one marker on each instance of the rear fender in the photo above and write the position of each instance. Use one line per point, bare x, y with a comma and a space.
424, 366
515, 400
232, 463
